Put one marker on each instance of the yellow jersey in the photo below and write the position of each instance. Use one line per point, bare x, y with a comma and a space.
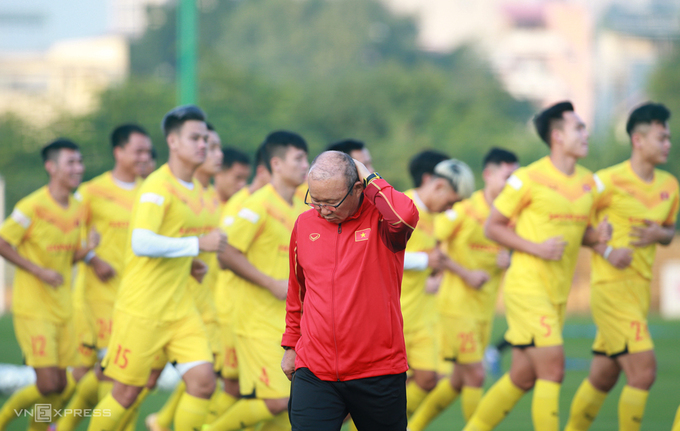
156, 287
461, 232
261, 231
203, 292
48, 235
415, 303
107, 207
627, 201
226, 293
546, 203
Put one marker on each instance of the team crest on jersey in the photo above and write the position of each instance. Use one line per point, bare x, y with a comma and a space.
314, 236
665, 196
587, 188
362, 235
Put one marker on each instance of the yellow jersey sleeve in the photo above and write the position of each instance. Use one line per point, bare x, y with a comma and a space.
673, 213
17, 224
247, 223
152, 204
515, 196
448, 223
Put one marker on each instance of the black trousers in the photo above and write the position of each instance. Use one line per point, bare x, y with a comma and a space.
375, 403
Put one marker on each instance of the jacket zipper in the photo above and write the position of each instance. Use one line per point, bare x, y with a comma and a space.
335, 339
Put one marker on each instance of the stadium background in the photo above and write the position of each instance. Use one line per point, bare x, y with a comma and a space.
402, 75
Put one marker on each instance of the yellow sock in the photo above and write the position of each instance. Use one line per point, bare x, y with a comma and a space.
104, 389
414, 396
545, 406
130, 417
495, 405
85, 397
245, 413
191, 412
107, 422
281, 422
631, 408
352, 426
167, 412
219, 403
22, 399
131, 420
469, 400
676, 422
436, 402
53, 400
584, 407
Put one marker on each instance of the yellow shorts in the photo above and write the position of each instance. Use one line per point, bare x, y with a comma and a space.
86, 335
533, 320
230, 364
139, 344
45, 343
421, 348
260, 374
620, 313
463, 339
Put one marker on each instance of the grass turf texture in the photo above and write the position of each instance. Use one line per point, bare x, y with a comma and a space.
662, 404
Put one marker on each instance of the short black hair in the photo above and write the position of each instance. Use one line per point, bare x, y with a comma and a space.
231, 155
121, 134
174, 119
346, 146
210, 127
548, 119
424, 163
51, 151
647, 114
154, 154
276, 144
260, 156
496, 156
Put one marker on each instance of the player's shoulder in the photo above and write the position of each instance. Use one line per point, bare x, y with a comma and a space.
667, 180
37, 196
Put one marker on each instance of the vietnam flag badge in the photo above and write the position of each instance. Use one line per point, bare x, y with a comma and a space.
362, 235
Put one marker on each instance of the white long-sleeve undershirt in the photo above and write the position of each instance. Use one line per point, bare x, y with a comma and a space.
149, 244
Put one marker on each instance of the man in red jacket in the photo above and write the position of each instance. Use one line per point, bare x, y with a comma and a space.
346, 353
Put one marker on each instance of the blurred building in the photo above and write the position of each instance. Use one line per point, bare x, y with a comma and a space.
57, 55
630, 42
597, 53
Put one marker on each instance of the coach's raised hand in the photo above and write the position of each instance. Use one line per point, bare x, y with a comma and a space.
215, 241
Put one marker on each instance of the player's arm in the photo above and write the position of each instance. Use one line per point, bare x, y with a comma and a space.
398, 210
499, 229
146, 223
9, 253
86, 252
651, 233
296, 288
233, 259
473, 278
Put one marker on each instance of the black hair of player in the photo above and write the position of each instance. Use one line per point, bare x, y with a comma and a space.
121, 134
51, 151
647, 114
346, 146
231, 155
276, 144
496, 156
424, 163
154, 154
175, 119
210, 127
551, 118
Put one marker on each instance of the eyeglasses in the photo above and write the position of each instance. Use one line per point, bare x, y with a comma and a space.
328, 207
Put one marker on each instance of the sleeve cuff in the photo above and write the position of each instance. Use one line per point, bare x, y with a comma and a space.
416, 261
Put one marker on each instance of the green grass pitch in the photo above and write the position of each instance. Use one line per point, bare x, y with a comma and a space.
663, 400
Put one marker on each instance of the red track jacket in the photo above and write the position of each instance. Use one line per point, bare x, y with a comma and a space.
348, 276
